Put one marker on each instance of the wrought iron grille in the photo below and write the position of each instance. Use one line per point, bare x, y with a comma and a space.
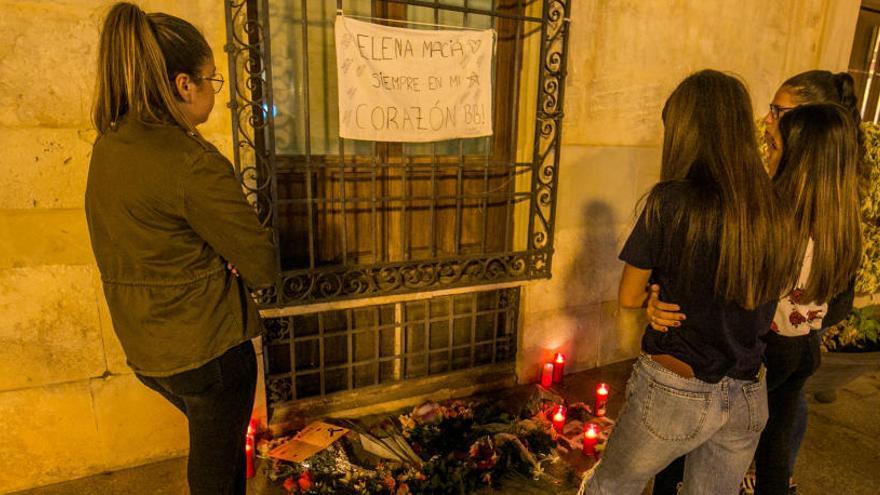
359, 219
322, 353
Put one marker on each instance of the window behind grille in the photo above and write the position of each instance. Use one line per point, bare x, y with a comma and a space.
360, 219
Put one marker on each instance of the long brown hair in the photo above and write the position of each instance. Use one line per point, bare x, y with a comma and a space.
817, 184
822, 86
139, 56
711, 170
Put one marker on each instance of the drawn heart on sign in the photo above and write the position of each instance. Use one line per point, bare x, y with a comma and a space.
475, 45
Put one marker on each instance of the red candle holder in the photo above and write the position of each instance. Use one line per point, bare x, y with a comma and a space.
547, 375
591, 438
558, 367
601, 400
558, 419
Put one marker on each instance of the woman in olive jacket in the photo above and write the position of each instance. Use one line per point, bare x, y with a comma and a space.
168, 222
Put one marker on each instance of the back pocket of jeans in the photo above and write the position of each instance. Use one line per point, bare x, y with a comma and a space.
756, 399
672, 414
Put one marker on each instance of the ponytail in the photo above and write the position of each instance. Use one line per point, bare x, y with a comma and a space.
139, 55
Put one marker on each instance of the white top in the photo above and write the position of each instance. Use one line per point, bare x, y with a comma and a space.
793, 316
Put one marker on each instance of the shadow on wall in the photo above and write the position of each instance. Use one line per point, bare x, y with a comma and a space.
593, 275
593, 271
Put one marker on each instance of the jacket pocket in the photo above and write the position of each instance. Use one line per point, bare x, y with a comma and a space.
673, 414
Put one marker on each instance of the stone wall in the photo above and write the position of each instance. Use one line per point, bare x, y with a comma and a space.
625, 57
69, 405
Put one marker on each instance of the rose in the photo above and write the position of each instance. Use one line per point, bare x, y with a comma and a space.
289, 485
305, 481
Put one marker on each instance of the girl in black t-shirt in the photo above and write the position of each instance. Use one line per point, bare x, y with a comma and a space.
712, 237
814, 154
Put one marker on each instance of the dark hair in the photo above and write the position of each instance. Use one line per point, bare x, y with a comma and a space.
139, 56
822, 86
817, 182
712, 170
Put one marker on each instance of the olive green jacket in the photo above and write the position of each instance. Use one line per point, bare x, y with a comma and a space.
165, 214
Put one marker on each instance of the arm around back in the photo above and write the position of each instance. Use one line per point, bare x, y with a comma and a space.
632, 293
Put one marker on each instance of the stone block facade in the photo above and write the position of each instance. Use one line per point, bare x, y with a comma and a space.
69, 405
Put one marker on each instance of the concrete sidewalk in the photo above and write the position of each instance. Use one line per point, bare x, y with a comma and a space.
840, 455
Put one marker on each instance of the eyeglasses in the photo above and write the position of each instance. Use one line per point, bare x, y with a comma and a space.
776, 111
216, 81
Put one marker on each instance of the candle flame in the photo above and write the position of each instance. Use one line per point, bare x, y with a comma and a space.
591, 432
603, 389
560, 358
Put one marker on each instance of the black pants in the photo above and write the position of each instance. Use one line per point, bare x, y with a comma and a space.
217, 399
790, 361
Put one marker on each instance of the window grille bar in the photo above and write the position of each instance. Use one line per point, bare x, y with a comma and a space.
450, 331
349, 315
292, 354
490, 149
511, 185
482, 196
321, 353
378, 345
468, 10
342, 215
311, 220
404, 233
374, 216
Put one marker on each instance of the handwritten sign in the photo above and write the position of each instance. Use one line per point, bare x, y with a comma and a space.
309, 441
413, 85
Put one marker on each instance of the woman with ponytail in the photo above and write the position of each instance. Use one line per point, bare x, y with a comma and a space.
177, 244
816, 158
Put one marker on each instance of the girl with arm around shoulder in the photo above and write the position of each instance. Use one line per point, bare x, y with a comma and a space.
710, 238
815, 154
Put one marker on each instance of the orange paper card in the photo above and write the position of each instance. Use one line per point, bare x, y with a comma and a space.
308, 442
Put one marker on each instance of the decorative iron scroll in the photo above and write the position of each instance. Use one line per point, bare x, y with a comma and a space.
247, 35
254, 154
548, 129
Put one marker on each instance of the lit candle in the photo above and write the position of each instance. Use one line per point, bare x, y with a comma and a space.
559, 419
249, 454
249, 447
591, 436
558, 367
547, 375
601, 400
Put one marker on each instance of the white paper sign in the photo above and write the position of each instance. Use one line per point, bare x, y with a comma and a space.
413, 85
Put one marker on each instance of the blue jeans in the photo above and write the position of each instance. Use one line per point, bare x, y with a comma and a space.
717, 425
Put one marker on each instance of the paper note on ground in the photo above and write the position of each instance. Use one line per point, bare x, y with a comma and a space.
312, 439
